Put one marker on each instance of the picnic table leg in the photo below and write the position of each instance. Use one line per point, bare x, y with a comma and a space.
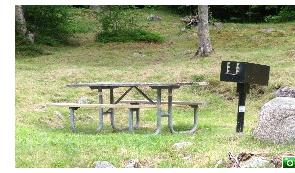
159, 111
170, 116
100, 112
112, 114
130, 120
72, 118
195, 125
195, 120
137, 118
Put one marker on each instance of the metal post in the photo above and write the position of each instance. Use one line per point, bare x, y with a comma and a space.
159, 111
242, 89
100, 110
137, 118
130, 119
112, 114
72, 119
170, 116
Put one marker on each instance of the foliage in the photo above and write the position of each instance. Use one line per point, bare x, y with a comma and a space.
48, 20
286, 14
128, 36
118, 23
54, 24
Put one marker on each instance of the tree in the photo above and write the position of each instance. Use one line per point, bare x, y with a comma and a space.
21, 27
205, 47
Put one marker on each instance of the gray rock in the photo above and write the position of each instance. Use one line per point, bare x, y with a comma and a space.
181, 145
257, 162
153, 17
286, 92
277, 121
138, 55
133, 163
219, 164
267, 30
83, 100
103, 164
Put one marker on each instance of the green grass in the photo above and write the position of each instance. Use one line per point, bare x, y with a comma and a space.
40, 142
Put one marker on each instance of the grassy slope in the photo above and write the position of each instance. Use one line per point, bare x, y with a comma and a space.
40, 143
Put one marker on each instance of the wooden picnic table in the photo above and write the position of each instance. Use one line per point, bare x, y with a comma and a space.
130, 85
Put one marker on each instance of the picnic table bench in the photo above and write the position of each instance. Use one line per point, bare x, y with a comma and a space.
133, 105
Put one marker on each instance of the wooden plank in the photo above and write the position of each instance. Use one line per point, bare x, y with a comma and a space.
164, 102
133, 84
100, 105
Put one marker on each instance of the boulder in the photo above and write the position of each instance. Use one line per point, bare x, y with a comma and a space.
286, 92
277, 121
257, 162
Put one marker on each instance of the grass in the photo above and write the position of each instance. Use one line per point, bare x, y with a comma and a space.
43, 140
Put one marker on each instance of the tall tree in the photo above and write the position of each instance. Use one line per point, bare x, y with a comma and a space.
205, 47
21, 26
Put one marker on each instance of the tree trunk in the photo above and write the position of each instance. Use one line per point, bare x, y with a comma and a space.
205, 47
20, 24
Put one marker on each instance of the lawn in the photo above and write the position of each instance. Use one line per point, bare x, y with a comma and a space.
44, 139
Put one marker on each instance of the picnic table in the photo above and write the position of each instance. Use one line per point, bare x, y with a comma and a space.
135, 105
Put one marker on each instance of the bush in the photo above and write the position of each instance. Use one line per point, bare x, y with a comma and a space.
129, 36
286, 14
118, 23
49, 21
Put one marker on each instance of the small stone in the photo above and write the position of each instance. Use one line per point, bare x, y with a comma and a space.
133, 163
40, 108
103, 164
153, 17
181, 145
219, 164
138, 55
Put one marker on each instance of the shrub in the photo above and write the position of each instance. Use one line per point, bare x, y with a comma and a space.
118, 24
129, 36
49, 21
286, 14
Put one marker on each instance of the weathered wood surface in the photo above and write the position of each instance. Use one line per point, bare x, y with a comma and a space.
100, 105
189, 103
134, 84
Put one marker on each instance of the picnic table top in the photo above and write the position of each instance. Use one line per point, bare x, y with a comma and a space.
134, 84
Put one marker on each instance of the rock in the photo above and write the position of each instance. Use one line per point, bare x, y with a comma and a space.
286, 92
257, 162
138, 55
153, 17
103, 164
83, 100
40, 108
133, 163
267, 30
181, 145
277, 121
219, 164
272, 32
